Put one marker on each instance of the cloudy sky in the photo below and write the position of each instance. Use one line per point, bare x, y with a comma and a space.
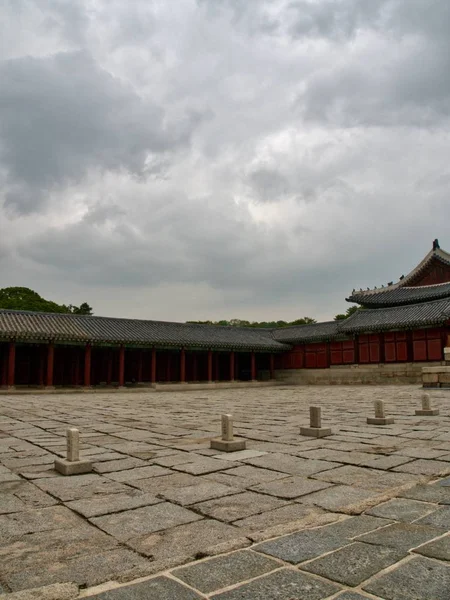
205, 159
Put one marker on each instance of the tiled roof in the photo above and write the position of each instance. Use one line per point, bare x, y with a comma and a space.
366, 320
394, 296
24, 325
368, 297
315, 332
398, 317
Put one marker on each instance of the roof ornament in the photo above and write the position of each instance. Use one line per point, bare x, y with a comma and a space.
436, 244
402, 277
390, 283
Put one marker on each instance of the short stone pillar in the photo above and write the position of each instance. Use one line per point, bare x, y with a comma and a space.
72, 465
426, 410
380, 415
315, 428
228, 443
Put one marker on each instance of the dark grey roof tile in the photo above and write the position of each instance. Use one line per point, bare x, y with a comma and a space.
79, 328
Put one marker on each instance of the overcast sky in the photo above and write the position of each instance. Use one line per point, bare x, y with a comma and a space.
206, 159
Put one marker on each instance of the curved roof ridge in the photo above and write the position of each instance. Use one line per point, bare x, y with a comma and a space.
435, 253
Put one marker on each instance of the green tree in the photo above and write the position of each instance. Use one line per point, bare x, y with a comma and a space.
348, 313
23, 298
83, 309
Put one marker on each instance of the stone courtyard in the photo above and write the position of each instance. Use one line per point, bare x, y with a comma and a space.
363, 513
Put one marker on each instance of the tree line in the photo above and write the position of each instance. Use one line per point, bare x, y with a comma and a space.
23, 298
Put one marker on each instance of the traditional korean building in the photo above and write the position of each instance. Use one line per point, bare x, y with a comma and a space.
398, 329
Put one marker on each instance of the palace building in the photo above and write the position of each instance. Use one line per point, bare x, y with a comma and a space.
397, 329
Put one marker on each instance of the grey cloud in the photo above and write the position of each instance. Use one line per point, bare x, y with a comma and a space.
275, 153
62, 116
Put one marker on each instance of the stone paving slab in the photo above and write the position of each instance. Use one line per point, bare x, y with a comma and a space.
291, 464
138, 473
404, 536
134, 523
204, 490
367, 478
112, 503
290, 513
57, 591
291, 487
428, 493
400, 509
15, 525
341, 498
160, 588
417, 579
85, 570
238, 506
177, 545
354, 564
301, 546
205, 465
52, 546
438, 518
246, 476
282, 585
224, 571
439, 549
79, 486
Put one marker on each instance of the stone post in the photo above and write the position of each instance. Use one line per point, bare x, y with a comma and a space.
426, 410
72, 465
380, 415
227, 428
228, 443
73, 444
315, 428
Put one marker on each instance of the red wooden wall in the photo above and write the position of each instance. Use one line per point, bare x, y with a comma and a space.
427, 344
436, 273
396, 346
390, 347
342, 353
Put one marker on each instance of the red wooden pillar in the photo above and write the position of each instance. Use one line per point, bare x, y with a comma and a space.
168, 367
121, 366
87, 365
253, 365
109, 367
272, 366
4, 369
50, 363
236, 365
216, 367
76, 375
11, 364
41, 367
210, 361
153, 367
232, 366
183, 365
139, 372
194, 367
